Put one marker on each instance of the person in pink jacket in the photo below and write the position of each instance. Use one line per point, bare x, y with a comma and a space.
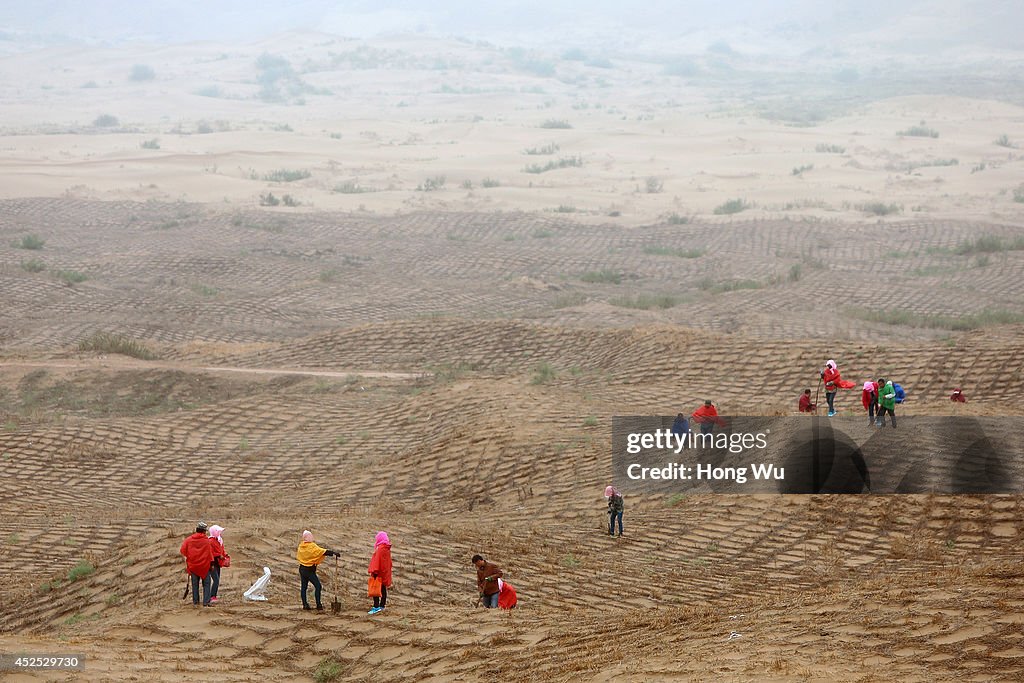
380, 568
219, 553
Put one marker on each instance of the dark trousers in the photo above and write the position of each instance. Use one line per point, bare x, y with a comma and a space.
381, 601
707, 427
308, 576
882, 410
871, 411
830, 396
195, 588
491, 601
214, 579
612, 516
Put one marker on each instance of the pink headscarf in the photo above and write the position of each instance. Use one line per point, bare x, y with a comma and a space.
869, 386
215, 532
382, 537
307, 536
830, 363
610, 491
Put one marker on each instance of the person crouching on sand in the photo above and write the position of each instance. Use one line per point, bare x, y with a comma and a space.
309, 556
806, 405
380, 569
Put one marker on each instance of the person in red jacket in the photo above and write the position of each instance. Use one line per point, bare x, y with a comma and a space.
869, 399
833, 383
198, 558
958, 396
707, 416
806, 405
219, 555
380, 568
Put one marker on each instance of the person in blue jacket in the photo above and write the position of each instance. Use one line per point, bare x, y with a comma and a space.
681, 428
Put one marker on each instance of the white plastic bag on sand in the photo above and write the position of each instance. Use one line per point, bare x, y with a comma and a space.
255, 591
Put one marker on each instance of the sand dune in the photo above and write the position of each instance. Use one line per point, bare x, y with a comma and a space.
432, 333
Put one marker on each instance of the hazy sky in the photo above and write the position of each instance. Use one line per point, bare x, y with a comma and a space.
910, 23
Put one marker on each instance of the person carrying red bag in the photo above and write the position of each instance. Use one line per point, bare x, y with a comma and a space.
221, 559
487, 576
380, 571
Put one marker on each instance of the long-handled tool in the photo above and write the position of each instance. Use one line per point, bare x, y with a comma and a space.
816, 395
336, 606
188, 586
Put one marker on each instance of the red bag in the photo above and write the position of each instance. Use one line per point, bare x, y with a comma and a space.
507, 597
373, 587
225, 561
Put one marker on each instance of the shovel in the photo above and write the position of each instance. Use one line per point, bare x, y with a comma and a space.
335, 605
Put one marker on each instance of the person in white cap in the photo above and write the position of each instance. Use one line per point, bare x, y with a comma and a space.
615, 508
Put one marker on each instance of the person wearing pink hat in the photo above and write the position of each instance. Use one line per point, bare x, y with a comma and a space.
615, 508
833, 383
309, 555
869, 399
220, 559
380, 568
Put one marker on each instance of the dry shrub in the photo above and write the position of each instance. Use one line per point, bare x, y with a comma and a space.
663, 619
106, 342
473, 652
887, 515
80, 452
931, 551
903, 547
998, 569
500, 639
828, 560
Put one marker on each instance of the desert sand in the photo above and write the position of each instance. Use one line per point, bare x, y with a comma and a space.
431, 334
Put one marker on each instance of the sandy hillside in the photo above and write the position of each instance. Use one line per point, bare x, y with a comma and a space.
378, 126
323, 283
